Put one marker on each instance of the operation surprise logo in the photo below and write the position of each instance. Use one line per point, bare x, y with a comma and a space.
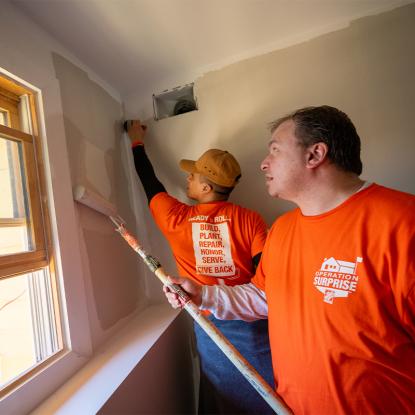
336, 278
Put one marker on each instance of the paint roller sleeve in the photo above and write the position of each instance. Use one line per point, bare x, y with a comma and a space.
93, 200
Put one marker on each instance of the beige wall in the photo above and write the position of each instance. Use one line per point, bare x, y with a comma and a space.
367, 70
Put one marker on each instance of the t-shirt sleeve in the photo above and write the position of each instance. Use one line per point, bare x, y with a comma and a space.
409, 314
260, 235
260, 274
402, 268
166, 211
406, 269
259, 278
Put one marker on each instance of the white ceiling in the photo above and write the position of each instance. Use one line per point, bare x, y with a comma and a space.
152, 45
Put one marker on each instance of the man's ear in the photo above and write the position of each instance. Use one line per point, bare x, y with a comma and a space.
206, 188
316, 154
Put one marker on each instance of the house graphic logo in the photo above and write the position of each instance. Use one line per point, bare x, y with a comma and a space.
337, 278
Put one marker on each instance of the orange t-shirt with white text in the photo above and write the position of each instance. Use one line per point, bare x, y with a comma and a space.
340, 289
213, 243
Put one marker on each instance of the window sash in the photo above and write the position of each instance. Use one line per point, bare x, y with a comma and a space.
18, 263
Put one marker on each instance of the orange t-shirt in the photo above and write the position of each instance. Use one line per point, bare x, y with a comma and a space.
340, 289
213, 243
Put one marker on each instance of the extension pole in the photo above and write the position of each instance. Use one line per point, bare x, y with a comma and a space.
247, 370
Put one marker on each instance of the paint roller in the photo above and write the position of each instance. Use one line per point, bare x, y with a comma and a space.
95, 201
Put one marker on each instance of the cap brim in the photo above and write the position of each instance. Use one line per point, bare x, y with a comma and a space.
188, 165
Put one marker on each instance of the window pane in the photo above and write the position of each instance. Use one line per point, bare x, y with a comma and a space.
14, 208
27, 324
13, 239
4, 119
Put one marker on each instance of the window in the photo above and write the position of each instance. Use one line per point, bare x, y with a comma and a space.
30, 328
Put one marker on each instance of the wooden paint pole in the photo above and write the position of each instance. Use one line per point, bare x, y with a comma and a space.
247, 370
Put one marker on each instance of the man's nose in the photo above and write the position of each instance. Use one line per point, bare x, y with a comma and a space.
264, 164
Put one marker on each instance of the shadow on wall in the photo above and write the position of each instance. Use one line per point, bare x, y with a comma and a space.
112, 265
162, 383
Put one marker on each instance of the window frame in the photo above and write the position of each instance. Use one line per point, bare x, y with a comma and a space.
63, 240
38, 258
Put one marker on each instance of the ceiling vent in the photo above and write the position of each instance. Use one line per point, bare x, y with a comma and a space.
173, 102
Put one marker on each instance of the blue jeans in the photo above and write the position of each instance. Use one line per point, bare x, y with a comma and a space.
223, 389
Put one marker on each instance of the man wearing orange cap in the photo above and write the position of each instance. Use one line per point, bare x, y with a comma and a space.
213, 242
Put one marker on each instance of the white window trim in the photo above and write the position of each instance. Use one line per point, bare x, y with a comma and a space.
91, 387
65, 239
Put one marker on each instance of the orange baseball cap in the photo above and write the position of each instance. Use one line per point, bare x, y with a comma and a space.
219, 166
